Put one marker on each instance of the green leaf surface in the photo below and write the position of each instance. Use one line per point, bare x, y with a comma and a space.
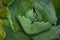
34, 28
47, 10
18, 7
22, 36
30, 14
29, 20
10, 35
52, 34
40, 17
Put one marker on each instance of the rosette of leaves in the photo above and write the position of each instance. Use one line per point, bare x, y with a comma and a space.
28, 20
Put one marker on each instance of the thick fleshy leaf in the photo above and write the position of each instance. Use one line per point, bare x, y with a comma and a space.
45, 36
30, 14
33, 16
22, 36
40, 26
8, 30
18, 7
52, 34
10, 35
40, 18
26, 24
47, 10
34, 28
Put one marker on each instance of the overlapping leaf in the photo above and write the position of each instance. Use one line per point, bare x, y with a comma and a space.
30, 14
34, 28
52, 34
34, 21
10, 35
17, 8
46, 10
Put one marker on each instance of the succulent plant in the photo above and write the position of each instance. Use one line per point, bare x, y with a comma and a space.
29, 20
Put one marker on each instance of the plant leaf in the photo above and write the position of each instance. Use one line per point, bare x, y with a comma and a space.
34, 28
17, 8
52, 34
46, 9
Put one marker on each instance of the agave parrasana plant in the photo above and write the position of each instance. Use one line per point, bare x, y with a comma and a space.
28, 20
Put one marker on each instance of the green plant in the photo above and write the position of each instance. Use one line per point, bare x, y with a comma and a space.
29, 20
